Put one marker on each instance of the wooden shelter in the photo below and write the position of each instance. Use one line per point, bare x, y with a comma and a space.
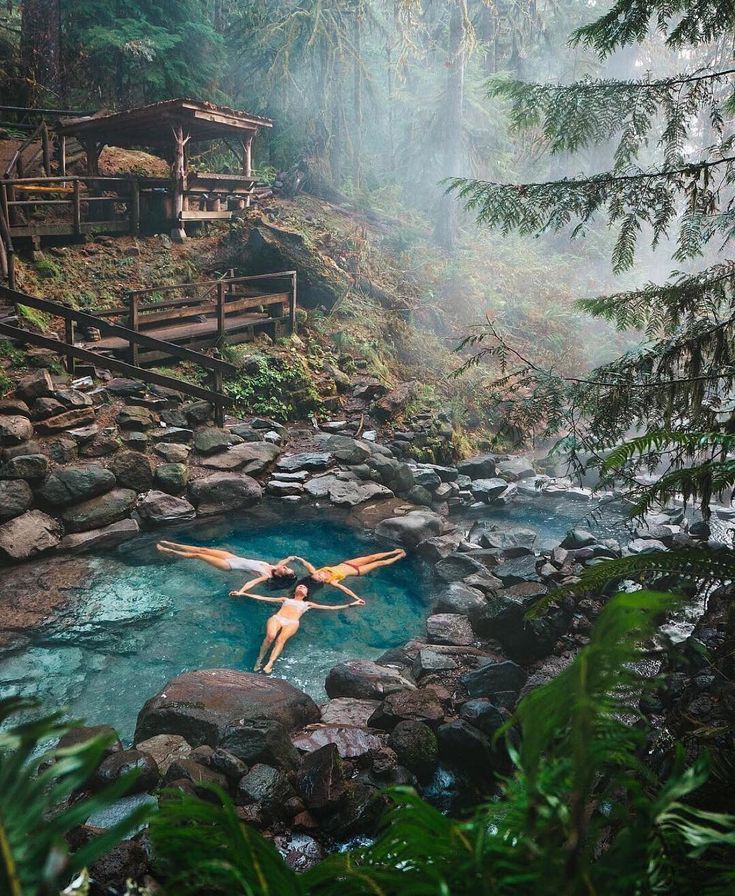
169, 128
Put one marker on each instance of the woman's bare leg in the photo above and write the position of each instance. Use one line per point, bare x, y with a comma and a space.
272, 628
197, 551
219, 562
375, 561
288, 631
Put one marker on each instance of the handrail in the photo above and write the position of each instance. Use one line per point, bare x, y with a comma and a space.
69, 178
151, 376
19, 151
132, 336
175, 286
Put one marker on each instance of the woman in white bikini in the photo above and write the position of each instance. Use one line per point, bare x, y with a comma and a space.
333, 575
279, 573
285, 623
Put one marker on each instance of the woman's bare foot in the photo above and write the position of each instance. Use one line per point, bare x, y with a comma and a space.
268, 669
257, 667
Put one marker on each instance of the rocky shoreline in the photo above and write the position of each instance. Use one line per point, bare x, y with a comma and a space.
87, 468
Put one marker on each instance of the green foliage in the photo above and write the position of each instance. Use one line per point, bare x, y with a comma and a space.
47, 268
581, 814
6, 383
12, 353
38, 319
667, 174
278, 384
35, 811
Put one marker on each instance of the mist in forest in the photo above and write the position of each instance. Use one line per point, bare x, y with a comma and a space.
375, 104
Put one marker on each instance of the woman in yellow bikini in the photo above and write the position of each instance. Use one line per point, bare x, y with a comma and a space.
333, 575
285, 623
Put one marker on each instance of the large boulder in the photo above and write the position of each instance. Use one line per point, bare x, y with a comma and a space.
321, 779
161, 509
15, 498
25, 466
35, 385
306, 460
345, 449
418, 705
29, 534
136, 417
481, 467
70, 419
172, 478
223, 492
487, 489
364, 680
416, 747
347, 711
409, 530
203, 704
268, 787
165, 749
132, 470
260, 740
395, 401
465, 747
250, 457
72, 485
449, 628
459, 598
106, 537
14, 429
494, 678
510, 542
210, 440
125, 762
351, 742
459, 566
519, 569
100, 511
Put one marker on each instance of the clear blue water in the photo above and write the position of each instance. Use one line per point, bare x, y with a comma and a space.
145, 618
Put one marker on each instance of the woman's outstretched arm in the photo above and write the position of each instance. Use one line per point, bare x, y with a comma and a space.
248, 585
305, 563
271, 600
358, 602
348, 592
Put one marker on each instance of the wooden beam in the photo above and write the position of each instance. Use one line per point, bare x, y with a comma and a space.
90, 320
105, 363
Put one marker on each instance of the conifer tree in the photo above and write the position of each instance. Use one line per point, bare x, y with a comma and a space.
671, 177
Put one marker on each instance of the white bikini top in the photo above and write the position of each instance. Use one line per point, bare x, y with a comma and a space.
300, 605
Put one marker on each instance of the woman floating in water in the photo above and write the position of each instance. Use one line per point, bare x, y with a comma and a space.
279, 573
285, 623
333, 575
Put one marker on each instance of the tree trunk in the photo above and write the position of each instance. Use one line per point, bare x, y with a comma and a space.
447, 225
40, 50
357, 88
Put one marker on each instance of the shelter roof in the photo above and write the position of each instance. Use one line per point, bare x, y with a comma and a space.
151, 125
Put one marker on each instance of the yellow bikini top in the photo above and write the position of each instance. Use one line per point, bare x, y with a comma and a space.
335, 574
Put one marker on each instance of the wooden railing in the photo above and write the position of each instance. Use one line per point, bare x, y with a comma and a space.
73, 352
225, 297
75, 204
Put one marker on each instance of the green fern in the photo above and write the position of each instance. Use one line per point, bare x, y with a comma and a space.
35, 812
580, 815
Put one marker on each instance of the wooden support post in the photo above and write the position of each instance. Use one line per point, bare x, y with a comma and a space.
92, 150
179, 183
133, 323
10, 210
135, 206
69, 339
219, 408
7, 239
77, 207
292, 309
220, 312
46, 149
62, 155
247, 156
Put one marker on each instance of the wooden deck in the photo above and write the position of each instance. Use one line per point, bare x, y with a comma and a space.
240, 327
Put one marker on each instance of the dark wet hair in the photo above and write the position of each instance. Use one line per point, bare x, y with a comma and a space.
310, 582
284, 578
